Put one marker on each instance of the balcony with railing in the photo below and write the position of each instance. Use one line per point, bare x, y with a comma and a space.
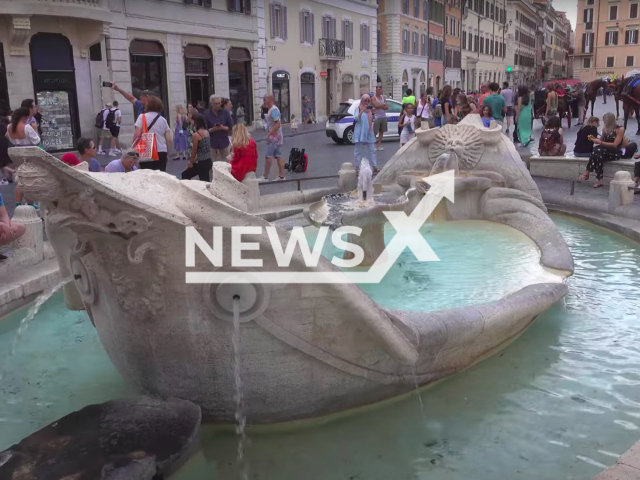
331, 49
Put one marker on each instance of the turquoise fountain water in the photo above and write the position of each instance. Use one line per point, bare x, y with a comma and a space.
562, 402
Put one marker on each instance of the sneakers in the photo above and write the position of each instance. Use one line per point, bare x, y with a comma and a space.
100, 152
379, 149
263, 179
113, 153
279, 179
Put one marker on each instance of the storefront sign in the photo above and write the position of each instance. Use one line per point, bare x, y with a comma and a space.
323, 74
604, 73
57, 133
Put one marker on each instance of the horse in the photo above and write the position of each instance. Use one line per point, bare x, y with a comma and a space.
618, 84
630, 100
591, 92
564, 109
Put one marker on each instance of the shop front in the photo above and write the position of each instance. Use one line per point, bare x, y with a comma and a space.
281, 94
198, 67
240, 78
148, 70
55, 91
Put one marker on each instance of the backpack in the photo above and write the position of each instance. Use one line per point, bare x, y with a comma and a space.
437, 108
547, 140
298, 161
100, 119
110, 122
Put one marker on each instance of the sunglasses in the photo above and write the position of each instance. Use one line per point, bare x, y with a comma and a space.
133, 154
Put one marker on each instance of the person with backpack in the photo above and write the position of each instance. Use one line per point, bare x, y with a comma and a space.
112, 123
551, 142
154, 123
102, 132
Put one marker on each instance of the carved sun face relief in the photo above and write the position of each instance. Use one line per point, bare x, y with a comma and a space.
464, 140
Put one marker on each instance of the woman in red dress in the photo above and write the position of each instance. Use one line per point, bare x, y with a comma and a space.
245, 153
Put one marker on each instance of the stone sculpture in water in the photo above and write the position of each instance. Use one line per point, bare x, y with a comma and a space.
308, 349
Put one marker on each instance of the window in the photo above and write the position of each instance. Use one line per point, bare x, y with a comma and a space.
590, 2
631, 37
347, 33
239, 6
492, 49
425, 10
486, 46
328, 27
414, 43
613, 12
405, 41
416, 8
588, 18
550, 24
610, 62
405, 7
365, 37
630, 60
482, 45
436, 13
633, 10
95, 52
611, 38
423, 49
587, 43
464, 40
586, 63
307, 34
278, 21
379, 40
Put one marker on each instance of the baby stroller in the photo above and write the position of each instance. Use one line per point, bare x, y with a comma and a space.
298, 161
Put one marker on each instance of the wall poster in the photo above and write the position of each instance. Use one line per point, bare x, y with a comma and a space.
57, 131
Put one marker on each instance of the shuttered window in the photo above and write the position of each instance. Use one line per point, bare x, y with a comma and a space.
307, 29
347, 33
278, 14
328, 27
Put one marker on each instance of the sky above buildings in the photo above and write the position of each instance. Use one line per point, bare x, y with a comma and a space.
568, 6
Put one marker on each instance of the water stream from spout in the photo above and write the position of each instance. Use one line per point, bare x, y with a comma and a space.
415, 382
24, 323
241, 418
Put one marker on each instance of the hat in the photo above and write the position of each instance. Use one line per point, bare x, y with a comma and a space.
71, 159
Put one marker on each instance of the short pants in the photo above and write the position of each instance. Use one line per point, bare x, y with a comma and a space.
273, 150
510, 112
380, 125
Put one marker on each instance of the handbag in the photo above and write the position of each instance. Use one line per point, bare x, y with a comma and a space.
147, 144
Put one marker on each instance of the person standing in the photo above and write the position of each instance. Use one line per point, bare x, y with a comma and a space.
484, 92
582, 103
152, 121
496, 102
240, 115
380, 125
363, 133
220, 125
408, 125
409, 98
446, 105
87, 149
551, 102
33, 111
138, 105
201, 151
275, 138
507, 94
112, 122
180, 141
422, 111
524, 115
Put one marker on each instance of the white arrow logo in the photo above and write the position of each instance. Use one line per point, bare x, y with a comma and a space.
407, 235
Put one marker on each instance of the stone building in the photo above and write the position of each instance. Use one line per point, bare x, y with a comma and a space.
453, 55
319, 53
606, 39
181, 50
522, 30
411, 46
483, 42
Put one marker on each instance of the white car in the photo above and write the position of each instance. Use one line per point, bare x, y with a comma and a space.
340, 124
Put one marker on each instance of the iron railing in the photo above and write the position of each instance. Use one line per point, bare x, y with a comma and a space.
332, 49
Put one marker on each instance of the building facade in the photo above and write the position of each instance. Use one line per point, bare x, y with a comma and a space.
405, 45
606, 39
319, 53
453, 55
522, 30
554, 41
60, 53
483, 42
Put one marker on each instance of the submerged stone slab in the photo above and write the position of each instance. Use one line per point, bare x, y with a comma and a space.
132, 439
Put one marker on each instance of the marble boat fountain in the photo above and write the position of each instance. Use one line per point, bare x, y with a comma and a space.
307, 349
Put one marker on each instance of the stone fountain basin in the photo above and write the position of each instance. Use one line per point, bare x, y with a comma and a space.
307, 349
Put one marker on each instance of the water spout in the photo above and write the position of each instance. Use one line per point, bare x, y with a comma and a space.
445, 162
365, 182
24, 323
241, 418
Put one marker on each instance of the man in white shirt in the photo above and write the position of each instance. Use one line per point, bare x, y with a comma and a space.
507, 94
380, 108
